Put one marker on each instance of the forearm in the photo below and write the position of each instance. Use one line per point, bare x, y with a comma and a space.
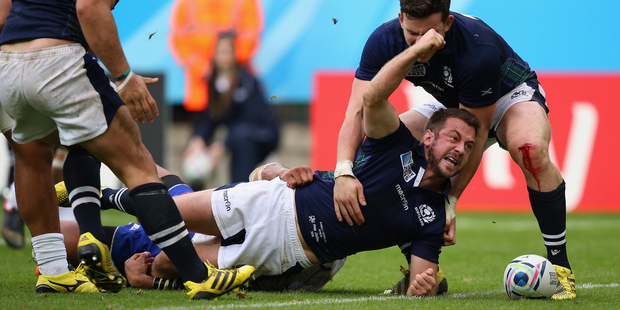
351, 133
273, 170
5, 7
100, 31
350, 137
389, 77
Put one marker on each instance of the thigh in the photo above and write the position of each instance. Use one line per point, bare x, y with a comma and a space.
120, 147
197, 213
524, 122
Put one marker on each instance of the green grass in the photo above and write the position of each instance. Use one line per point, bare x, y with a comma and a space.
474, 267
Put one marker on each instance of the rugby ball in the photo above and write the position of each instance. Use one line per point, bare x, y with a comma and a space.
530, 276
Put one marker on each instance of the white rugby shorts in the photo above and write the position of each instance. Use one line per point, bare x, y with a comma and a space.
265, 210
520, 93
53, 88
6, 122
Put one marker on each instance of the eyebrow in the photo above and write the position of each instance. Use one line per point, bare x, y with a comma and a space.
461, 137
414, 32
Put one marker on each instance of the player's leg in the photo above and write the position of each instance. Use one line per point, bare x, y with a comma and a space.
40, 213
154, 206
526, 132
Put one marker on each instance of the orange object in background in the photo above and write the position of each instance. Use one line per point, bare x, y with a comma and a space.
195, 25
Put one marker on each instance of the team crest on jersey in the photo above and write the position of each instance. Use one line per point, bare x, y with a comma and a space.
407, 161
426, 214
447, 76
417, 70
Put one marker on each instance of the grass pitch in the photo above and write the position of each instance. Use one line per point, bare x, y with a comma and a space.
474, 268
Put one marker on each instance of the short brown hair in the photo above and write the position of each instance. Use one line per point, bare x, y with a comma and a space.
425, 8
436, 122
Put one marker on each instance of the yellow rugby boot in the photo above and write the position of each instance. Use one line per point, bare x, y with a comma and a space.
70, 282
566, 287
97, 264
220, 282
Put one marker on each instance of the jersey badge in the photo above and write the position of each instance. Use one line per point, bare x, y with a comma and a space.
487, 91
407, 162
447, 76
418, 70
426, 214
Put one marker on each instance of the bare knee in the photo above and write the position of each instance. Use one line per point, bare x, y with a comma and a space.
531, 155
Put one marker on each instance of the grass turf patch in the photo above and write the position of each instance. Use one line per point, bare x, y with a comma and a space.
474, 267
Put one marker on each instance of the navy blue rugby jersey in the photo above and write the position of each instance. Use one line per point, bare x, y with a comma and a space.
34, 19
397, 210
476, 67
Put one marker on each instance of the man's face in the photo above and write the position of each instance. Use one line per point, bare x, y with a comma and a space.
449, 151
415, 28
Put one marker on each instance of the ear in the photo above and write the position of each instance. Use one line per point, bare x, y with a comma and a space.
400, 19
448, 24
429, 136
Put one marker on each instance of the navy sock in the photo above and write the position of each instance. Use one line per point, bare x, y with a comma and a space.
162, 222
82, 179
550, 211
117, 199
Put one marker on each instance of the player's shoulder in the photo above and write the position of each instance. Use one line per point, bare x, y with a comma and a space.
472, 31
389, 32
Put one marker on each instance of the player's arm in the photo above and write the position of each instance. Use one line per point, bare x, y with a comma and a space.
460, 181
423, 277
294, 177
348, 191
100, 31
5, 7
380, 116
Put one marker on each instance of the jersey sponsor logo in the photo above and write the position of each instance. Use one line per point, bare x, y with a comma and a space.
403, 199
417, 70
518, 93
407, 163
425, 213
433, 85
226, 201
447, 76
135, 227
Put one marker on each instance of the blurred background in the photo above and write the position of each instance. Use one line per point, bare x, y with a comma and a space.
303, 54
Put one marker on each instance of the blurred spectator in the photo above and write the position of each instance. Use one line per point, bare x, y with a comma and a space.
236, 100
195, 25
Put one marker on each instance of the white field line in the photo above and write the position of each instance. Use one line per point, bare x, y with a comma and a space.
362, 299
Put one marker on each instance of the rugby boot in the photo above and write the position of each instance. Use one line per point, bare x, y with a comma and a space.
13, 229
566, 287
70, 282
63, 195
97, 264
219, 282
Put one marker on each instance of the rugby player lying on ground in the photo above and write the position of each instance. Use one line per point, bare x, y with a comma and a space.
133, 252
273, 227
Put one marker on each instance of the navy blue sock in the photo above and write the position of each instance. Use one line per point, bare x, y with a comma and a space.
117, 199
550, 211
82, 179
162, 222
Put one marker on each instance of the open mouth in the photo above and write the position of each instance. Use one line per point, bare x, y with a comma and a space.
451, 160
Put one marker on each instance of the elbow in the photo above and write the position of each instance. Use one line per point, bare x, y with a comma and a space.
370, 98
82, 8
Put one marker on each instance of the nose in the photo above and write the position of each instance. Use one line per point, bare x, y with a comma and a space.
460, 147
